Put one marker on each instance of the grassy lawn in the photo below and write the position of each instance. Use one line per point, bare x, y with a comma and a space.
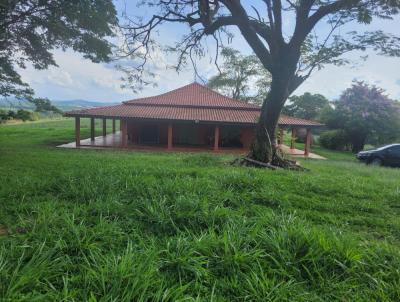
86, 225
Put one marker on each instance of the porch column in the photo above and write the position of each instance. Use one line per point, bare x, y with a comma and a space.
113, 125
170, 136
293, 139
124, 133
77, 131
308, 143
216, 138
92, 129
280, 136
104, 127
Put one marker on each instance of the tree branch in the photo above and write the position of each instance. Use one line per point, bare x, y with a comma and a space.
249, 32
325, 10
277, 10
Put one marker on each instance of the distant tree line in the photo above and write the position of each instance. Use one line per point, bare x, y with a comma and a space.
20, 114
42, 105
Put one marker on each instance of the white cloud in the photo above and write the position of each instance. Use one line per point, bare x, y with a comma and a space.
76, 78
377, 70
60, 77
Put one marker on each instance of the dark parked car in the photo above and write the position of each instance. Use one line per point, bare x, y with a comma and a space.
388, 156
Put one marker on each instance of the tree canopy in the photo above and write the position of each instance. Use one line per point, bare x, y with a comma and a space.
365, 114
44, 105
241, 77
307, 106
282, 34
31, 29
261, 25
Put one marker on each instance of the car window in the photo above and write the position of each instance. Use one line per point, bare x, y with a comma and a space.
395, 150
381, 148
384, 148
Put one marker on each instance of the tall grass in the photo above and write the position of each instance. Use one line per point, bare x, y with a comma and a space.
119, 226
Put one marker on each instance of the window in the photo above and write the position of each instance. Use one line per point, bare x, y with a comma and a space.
395, 150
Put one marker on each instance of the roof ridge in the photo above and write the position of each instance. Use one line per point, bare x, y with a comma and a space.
195, 106
227, 97
193, 90
164, 93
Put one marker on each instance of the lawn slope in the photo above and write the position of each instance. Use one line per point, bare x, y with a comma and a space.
86, 225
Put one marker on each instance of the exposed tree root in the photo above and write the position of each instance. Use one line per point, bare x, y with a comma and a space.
281, 161
278, 162
255, 163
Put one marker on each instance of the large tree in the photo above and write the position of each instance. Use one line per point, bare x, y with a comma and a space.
307, 106
289, 54
364, 113
241, 77
31, 29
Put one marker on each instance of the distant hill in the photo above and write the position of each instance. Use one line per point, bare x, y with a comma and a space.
64, 105
15, 104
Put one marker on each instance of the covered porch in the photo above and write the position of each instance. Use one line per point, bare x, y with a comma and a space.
162, 135
180, 137
113, 141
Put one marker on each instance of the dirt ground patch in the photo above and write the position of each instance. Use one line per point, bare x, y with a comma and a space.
3, 231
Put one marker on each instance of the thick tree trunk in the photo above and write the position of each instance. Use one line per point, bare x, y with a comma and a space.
358, 143
264, 147
284, 82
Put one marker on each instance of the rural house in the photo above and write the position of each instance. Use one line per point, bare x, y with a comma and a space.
192, 117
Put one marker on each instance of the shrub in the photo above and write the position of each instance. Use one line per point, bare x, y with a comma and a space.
334, 140
24, 115
3, 116
12, 114
35, 116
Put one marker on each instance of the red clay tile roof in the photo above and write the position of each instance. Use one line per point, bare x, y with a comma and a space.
193, 95
193, 102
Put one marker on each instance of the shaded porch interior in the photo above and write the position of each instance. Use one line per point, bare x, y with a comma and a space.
179, 136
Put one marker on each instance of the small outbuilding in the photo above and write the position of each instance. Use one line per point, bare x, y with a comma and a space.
192, 117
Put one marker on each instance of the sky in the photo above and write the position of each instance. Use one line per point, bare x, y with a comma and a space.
78, 78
